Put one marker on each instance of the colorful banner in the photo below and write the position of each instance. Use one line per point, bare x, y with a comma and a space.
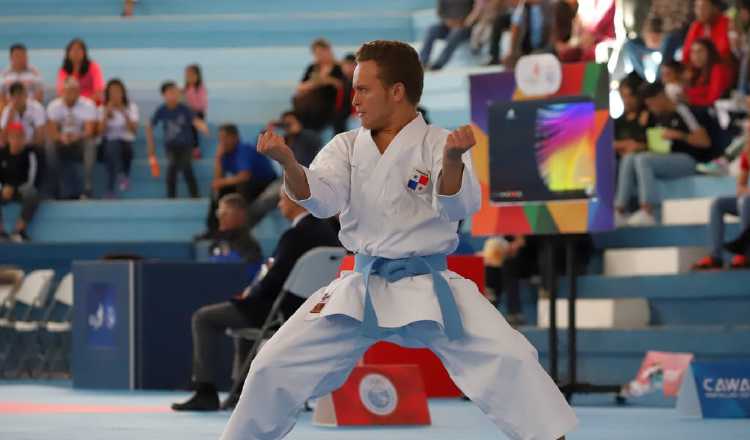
659, 371
716, 390
376, 395
588, 213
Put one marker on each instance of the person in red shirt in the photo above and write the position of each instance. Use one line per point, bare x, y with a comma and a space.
735, 205
707, 80
710, 23
88, 73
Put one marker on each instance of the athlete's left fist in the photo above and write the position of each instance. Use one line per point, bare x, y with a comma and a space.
459, 142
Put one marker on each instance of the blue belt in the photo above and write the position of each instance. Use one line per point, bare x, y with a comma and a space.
394, 270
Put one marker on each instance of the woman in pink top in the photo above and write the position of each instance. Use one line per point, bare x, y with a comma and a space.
78, 65
196, 98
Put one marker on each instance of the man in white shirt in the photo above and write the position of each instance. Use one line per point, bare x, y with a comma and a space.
71, 129
20, 71
400, 187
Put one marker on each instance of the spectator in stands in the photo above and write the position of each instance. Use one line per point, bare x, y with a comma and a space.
531, 27
456, 18
238, 168
86, 71
21, 71
17, 176
709, 23
251, 307
304, 143
685, 129
640, 51
348, 64
507, 260
118, 124
232, 241
739, 204
707, 80
319, 96
196, 97
500, 11
593, 23
630, 128
739, 37
26, 110
178, 122
71, 129
676, 17
672, 76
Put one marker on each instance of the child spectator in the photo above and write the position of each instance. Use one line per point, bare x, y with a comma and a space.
17, 174
707, 80
178, 122
630, 128
88, 73
118, 124
672, 75
196, 98
739, 204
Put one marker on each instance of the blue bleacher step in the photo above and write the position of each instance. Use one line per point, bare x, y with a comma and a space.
614, 356
658, 236
177, 7
700, 298
697, 186
117, 220
205, 30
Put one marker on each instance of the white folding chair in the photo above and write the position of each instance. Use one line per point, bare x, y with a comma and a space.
56, 323
28, 301
313, 271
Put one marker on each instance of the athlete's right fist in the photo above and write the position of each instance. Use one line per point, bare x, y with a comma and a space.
274, 146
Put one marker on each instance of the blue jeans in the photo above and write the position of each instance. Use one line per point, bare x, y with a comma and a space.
115, 155
719, 207
453, 38
640, 171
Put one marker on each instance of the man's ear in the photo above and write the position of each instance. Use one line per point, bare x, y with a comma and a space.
398, 92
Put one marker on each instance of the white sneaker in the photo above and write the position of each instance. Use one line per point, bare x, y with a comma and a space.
621, 220
641, 218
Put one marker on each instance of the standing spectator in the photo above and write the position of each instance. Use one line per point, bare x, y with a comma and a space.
672, 76
238, 168
319, 96
196, 98
690, 144
17, 176
709, 23
86, 71
630, 128
20, 71
530, 30
178, 122
454, 26
72, 126
118, 124
31, 114
707, 80
251, 307
739, 204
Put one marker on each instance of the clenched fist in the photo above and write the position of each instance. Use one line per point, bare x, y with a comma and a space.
459, 141
274, 146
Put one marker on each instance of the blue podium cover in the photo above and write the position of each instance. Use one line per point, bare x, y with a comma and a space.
716, 390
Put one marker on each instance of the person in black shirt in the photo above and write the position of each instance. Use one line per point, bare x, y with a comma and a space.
319, 96
18, 167
251, 307
685, 129
630, 128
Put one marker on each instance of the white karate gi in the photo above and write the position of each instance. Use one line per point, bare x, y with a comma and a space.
313, 353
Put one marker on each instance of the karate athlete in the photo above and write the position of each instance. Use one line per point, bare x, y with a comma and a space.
400, 187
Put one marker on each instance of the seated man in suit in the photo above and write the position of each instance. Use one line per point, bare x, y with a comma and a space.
251, 308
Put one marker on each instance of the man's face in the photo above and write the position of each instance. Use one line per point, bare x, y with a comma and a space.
18, 100
71, 92
372, 100
229, 218
19, 59
227, 141
704, 11
16, 141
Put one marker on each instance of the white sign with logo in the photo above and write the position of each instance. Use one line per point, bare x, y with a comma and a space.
538, 75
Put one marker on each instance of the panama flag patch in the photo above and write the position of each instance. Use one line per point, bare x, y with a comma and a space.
419, 181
